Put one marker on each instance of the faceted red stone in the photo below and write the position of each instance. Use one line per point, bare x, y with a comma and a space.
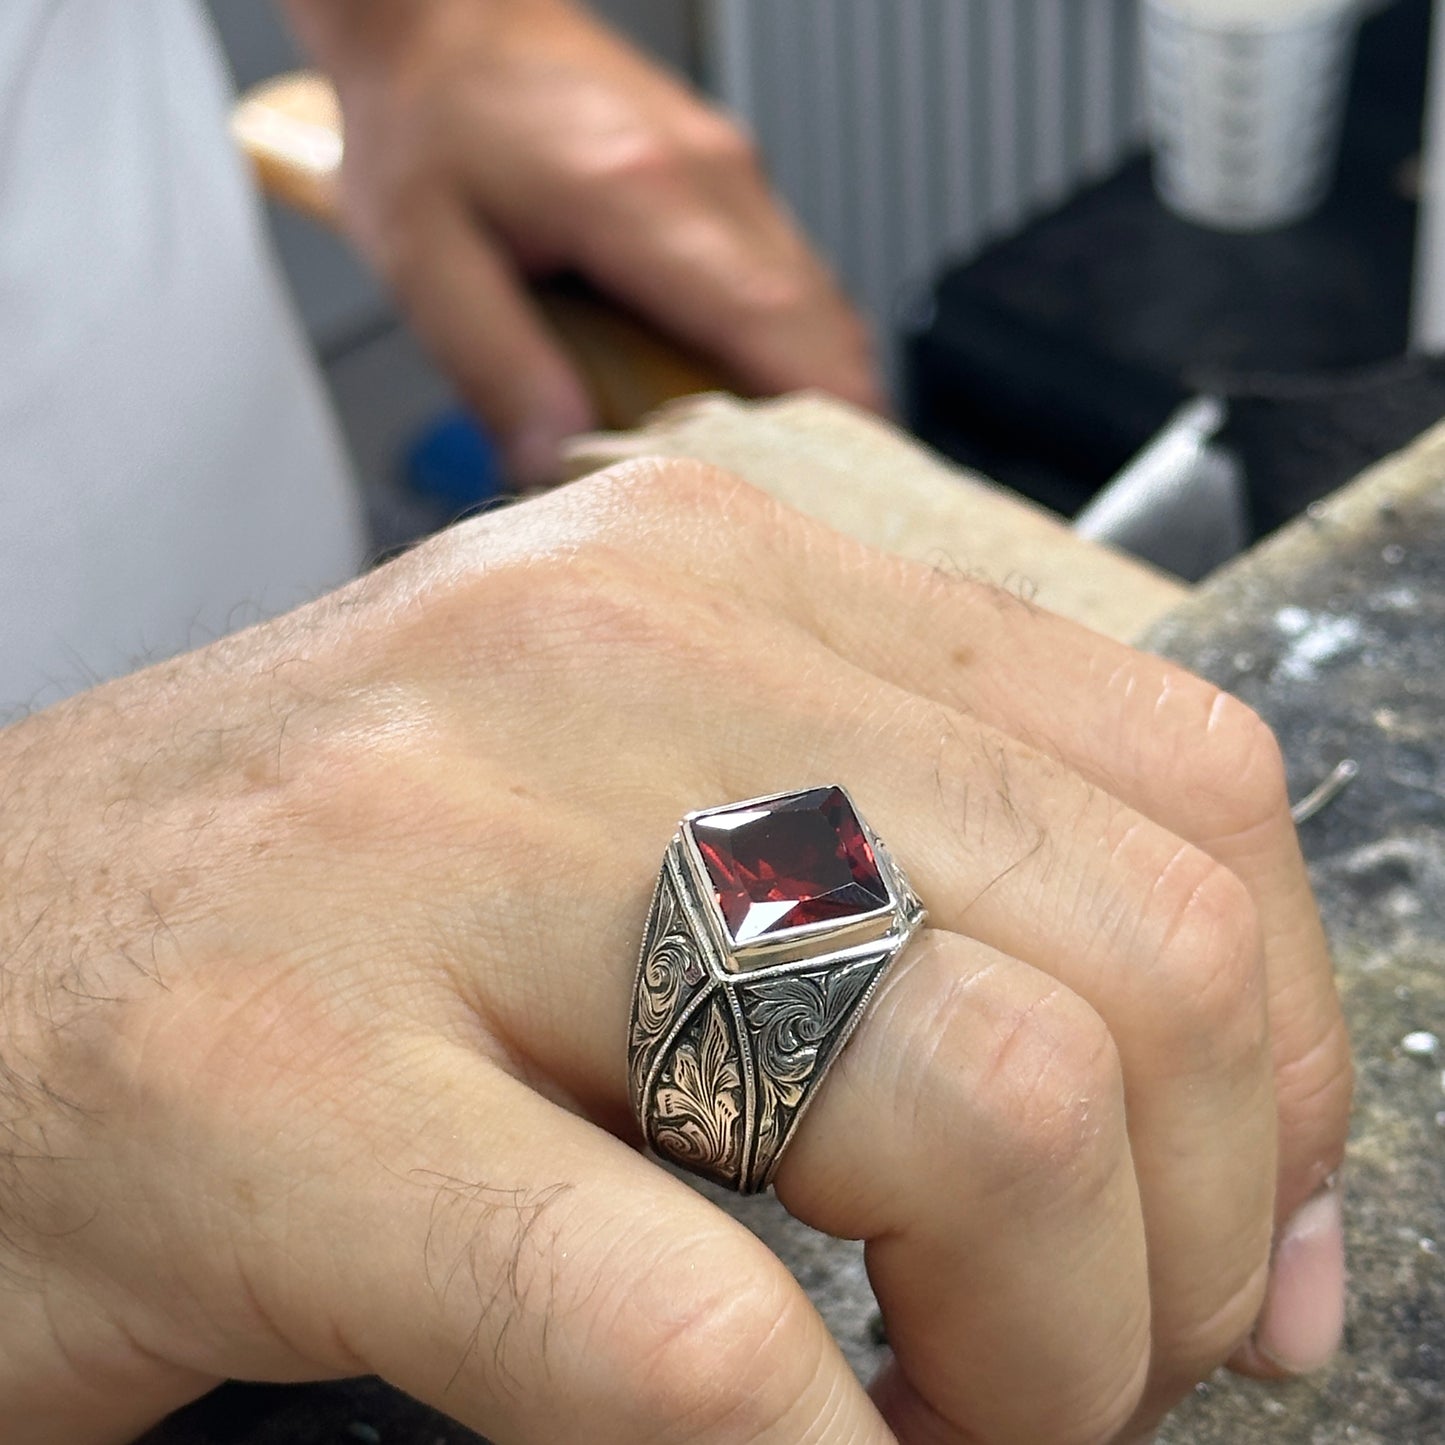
796, 860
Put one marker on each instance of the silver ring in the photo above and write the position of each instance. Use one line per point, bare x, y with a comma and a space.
771, 927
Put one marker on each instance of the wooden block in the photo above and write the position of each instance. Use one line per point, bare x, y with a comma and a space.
870, 481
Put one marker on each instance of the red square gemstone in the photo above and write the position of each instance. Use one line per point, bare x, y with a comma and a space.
794, 860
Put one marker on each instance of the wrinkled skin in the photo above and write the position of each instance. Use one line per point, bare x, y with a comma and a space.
490, 140
317, 953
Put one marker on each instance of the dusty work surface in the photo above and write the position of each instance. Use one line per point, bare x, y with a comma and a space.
1336, 632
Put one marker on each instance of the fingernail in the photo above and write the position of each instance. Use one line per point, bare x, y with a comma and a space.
1304, 1310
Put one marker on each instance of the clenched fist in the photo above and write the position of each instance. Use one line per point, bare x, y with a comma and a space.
317, 949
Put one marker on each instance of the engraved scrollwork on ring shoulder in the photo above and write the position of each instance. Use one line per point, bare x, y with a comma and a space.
792, 1022
699, 1099
670, 968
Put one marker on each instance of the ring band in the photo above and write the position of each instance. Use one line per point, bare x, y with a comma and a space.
772, 924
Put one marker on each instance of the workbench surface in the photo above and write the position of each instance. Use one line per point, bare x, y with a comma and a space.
1335, 631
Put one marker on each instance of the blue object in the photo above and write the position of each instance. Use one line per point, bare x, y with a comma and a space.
455, 464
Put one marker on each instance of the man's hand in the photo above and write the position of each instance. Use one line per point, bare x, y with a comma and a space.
488, 140
317, 949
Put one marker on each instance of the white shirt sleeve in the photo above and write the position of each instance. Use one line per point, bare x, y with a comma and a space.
169, 468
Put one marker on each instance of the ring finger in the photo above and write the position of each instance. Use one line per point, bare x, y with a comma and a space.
974, 1133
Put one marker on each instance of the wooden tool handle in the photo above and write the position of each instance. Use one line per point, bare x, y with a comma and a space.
290, 128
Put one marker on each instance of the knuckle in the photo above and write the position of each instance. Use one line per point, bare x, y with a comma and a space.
597, 619
720, 1365
1053, 1082
776, 293
632, 159
1094, 1412
665, 507
1196, 1348
685, 488
1315, 1090
1116, 1398
615, 587
720, 143
1246, 764
647, 157
1209, 959
683, 511
598, 604
1228, 767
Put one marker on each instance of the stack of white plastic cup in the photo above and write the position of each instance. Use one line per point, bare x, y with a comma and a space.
1246, 104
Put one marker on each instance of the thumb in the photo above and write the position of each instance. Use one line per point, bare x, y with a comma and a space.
537, 1280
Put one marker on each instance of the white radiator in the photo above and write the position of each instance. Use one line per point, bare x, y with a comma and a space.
1429, 317
909, 132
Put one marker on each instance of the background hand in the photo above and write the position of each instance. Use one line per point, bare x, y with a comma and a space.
486, 142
